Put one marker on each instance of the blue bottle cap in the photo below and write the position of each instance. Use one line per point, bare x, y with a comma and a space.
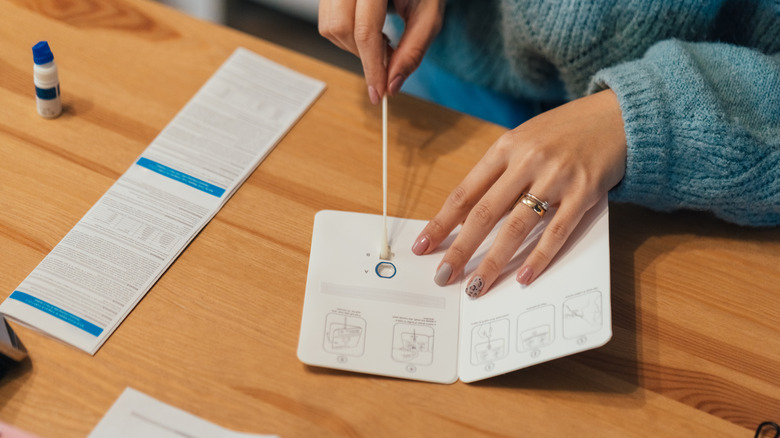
42, 53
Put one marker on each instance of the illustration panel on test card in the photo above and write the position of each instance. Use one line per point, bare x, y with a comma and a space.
489, 341
536, 328
413, 344
372, 315
344, 334
566, 310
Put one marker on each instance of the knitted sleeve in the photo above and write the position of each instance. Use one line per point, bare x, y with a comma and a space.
702, 124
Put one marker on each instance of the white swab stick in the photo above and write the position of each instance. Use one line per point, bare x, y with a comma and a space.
385, 251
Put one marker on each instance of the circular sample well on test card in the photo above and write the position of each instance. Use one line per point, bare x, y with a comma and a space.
385, 269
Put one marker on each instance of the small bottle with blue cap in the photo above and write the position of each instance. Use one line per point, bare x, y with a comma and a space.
47, 82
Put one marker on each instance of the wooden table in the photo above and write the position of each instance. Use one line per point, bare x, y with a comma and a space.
696, 346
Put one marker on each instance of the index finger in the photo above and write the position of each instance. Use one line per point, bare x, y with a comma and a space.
370, 42
460, 202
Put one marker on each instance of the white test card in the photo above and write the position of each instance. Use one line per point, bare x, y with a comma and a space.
365, 314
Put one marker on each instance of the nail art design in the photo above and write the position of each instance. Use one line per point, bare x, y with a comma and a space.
475, 287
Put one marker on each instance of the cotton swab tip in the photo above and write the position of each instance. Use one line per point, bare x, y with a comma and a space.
384, 252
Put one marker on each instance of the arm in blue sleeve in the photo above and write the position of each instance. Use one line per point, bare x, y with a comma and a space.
702, 124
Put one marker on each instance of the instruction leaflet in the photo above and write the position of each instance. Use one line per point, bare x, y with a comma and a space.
137, 415
388, 317
91, 280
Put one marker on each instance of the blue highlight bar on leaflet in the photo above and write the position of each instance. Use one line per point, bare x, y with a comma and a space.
56, 312
182, 177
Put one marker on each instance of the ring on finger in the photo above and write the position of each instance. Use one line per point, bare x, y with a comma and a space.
537, 205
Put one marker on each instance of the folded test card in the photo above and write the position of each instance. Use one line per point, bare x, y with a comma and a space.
387, 317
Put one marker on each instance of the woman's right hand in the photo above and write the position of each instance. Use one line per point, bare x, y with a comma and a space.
356, 26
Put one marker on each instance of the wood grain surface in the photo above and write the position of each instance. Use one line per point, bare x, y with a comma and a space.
696, 346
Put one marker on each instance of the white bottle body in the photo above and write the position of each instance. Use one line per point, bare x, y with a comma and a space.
47, 89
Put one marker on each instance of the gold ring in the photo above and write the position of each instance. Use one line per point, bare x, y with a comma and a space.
537, 205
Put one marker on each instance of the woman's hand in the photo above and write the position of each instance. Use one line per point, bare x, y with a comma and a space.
569, 157
356, 26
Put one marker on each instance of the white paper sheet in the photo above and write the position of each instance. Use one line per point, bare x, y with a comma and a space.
136, 415
362, 314
86, 286
8, 431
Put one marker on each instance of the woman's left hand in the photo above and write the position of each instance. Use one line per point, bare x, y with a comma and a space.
568, 157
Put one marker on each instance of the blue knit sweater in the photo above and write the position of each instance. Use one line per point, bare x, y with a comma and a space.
698, 85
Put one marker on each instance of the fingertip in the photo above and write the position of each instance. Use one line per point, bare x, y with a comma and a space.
443, 274
395, 85
421, 245
373, 95
525, 275
376, 85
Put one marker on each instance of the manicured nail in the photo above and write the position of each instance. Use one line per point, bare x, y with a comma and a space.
475, 287
443, 274
421, 245
373, 95
395, 85
524, 276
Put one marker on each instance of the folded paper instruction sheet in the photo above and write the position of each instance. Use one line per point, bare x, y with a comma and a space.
137, 415
85, 287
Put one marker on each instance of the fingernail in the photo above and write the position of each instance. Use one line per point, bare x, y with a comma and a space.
475, 287
373, 95
421, 245
395, 85
524, 276
443, 274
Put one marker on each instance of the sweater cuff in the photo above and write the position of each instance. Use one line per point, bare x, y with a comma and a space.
642, 96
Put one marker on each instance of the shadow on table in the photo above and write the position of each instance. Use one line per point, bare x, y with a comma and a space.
13, 380
422, 141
